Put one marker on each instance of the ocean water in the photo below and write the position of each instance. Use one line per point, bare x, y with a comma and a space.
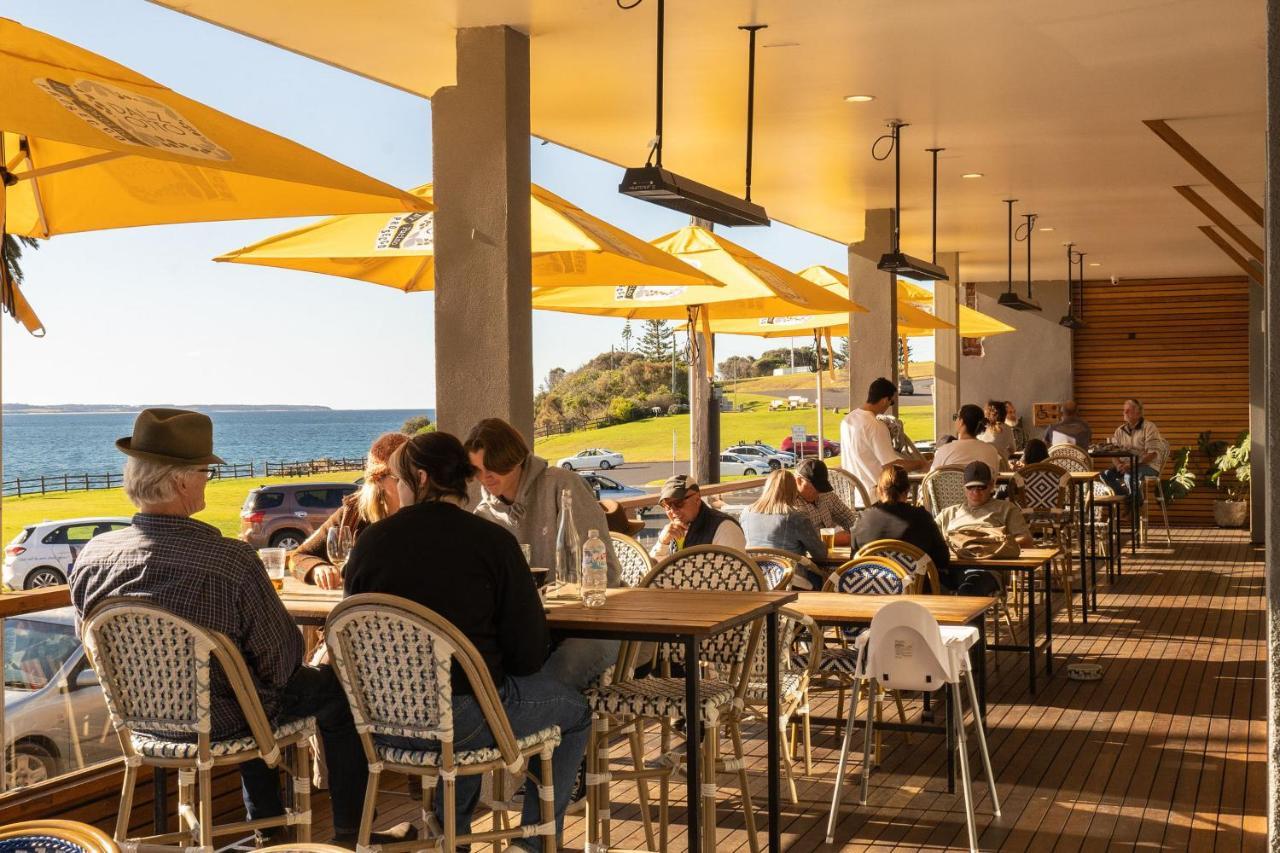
85, 443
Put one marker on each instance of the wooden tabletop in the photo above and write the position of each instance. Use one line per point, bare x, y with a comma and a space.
626, 612
23, 601
1030, 558
841, 608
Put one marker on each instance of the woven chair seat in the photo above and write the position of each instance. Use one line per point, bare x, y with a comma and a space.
789, 684
431, 758
153, 746
661, 697
835, 660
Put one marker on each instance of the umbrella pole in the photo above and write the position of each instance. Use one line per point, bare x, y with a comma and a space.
817, 354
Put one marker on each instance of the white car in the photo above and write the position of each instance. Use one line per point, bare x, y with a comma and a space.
43, 554
594, 458
755, 453
731, 464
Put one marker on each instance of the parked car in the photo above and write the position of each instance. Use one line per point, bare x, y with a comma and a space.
43, 554
755, 453
54, 712
906, 387
283, 516
731, 464
809, 447
594, 458
607, 487
781, 454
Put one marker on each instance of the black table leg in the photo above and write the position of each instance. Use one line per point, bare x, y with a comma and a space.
1084, 573
160, 799
693, 742
1048, 617
1134, 506
1093, 553
1031, 628
771, 648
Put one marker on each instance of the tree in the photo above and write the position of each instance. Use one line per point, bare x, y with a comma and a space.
737, 367
554, 378
658, 340
626, 337
417, 424
841, 355
12, 251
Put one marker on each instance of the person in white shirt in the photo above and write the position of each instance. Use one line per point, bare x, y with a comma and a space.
967, 447
865, 444
691, 522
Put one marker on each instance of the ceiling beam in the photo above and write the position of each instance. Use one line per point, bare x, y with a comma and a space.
1249, 267
1229, 227
1210, 172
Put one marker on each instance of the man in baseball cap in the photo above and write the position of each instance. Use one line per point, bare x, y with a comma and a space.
691, 522
981, 506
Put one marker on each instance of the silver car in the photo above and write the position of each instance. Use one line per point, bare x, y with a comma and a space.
54, 713
43, 554
594, 458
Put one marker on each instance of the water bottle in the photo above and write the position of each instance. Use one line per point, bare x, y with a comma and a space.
595, 570
568, 543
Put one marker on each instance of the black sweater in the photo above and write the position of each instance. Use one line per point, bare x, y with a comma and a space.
907, 523
467, 569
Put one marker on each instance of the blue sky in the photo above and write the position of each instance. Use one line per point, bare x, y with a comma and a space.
142, 315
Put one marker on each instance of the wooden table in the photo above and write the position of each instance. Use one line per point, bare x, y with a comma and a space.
1027, 562
847, 610
667, 615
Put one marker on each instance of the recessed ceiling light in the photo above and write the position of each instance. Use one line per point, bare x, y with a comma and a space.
859, 99
972, 175
1047, 228
1094, 264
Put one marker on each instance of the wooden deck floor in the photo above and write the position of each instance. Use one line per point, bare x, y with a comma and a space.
1167, 752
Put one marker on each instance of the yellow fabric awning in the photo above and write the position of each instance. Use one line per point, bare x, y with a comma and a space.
570, 248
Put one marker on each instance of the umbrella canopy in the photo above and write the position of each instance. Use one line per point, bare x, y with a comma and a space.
87, 144
753, 287
570, 248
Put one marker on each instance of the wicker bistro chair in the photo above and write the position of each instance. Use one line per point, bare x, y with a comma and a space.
633, 558
721, 700
394, 659
942, 487
848, 488
1070, 457
778, 567
802, 567
154, 668
1048, 501
911, 558
55, 836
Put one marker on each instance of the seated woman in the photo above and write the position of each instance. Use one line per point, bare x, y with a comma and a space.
967, 448
820, 502
521, 492
470, 571
376, 499
777, 520
1036, 451
893, 517
997, 432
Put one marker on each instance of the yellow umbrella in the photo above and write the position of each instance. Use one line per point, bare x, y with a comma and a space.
570, 248
87, 144
912, 320
914, 293
753, 287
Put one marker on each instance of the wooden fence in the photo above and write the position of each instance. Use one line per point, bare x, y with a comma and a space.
44, 484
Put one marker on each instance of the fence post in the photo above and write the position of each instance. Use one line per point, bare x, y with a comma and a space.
42, 484
66, 483
19, 484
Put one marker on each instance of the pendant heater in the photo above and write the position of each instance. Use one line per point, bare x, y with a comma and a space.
1070, 320
895, 261
1009, 299
652, 183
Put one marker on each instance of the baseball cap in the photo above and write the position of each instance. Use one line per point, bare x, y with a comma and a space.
977, 474
675, 488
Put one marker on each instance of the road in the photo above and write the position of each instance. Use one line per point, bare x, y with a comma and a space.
838, 397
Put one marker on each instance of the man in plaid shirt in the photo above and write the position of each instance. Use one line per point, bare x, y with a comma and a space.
187, 567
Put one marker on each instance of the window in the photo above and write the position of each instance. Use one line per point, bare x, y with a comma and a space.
312, 498
333, 499
35, 650
266, 500
606, 483
72, 534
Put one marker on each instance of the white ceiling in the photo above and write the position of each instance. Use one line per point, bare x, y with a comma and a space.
1045, 98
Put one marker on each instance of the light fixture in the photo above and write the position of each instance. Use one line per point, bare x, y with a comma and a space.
655, 184
1094, 264
859, 99
894, 261
972, 175
1070, 320
1047, 228
1009, 299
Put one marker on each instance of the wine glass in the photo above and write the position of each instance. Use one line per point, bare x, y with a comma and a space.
338, 543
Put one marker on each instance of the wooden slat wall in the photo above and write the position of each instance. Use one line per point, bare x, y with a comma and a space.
1181, 346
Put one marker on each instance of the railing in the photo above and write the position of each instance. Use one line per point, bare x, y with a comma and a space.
54, 483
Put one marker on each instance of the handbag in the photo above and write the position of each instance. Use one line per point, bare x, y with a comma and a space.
982, 542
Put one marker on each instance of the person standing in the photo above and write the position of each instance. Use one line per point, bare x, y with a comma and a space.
865, 444
1070, 429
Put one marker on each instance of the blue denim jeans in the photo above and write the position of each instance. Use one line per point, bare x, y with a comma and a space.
1123, 482
315, 691
532, 702
576, 662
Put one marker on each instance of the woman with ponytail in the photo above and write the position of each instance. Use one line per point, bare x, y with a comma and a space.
970, 422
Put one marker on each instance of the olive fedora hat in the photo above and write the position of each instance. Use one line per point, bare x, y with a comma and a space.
171, 437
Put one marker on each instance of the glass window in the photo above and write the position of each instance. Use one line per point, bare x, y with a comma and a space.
335, 496
312, 498
35, 650
266, 500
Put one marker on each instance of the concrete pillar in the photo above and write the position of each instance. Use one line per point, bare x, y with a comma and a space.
946, 347
480, 139
1271, 203
873, 337
1257, 414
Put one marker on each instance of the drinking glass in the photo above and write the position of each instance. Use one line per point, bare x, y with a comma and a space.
338, 544
828, 535
274, 561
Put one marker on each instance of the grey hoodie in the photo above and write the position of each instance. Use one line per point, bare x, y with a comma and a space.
534, 517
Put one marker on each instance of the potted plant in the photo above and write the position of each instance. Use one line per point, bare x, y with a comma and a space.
1183, 479
1229, 471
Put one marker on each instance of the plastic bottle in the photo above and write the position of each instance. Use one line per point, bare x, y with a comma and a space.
595, 570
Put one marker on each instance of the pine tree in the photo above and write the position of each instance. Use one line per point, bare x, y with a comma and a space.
657, 341
626, 337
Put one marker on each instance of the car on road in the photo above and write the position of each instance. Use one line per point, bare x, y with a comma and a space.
906, 388
43, 554
54, 712
731, 464
284, 515
809, 447
755, 453
607, 488
594, 458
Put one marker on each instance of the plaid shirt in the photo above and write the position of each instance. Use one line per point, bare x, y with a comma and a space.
190, 569
829, 511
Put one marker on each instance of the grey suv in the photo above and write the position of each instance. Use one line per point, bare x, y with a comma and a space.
283, 516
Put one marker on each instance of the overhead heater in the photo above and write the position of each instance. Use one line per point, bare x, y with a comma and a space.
653, 183
1009, 299
895, 261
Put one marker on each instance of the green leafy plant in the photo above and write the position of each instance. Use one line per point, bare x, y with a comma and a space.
1183, 479
1230, 471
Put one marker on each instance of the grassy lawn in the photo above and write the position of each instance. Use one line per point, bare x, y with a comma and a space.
651, 440
223, 499
805, 381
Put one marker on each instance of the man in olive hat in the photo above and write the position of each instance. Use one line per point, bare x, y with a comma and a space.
189, 568
691, 522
